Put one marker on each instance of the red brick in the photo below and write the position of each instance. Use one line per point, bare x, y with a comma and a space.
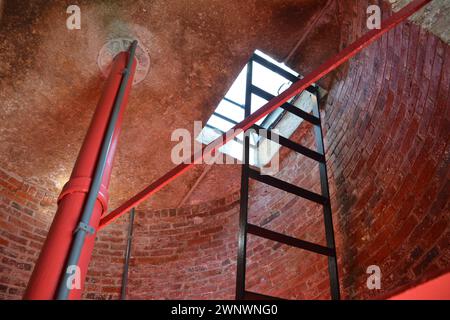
385, 116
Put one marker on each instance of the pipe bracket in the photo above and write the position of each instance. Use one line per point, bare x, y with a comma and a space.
85, 227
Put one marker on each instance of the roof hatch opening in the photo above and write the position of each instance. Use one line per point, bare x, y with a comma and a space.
269, 78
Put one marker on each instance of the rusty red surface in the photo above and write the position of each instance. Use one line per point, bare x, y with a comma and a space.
296, 88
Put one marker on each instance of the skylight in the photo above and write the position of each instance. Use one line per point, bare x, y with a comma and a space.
268, 75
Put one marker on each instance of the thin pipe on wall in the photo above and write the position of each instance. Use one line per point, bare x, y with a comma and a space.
123, 291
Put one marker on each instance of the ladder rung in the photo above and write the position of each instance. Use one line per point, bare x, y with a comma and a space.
286, 106
290, 241
248, 295
285, 186
300, 113
292, 145
223, 132
284, 73
234, 103
221, 116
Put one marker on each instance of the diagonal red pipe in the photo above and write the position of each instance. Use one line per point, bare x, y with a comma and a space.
270, 106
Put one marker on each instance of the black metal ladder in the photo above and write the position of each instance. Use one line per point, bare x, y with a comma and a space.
248, 173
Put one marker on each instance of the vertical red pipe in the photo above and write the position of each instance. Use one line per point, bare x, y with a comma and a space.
49, 267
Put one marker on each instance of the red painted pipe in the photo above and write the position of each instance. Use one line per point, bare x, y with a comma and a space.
270, 106
435, 289
49, 267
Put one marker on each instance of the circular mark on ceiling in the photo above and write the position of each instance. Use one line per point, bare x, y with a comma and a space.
113, 47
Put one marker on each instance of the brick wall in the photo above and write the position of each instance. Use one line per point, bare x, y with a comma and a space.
105, 269
387, 126
190, 253
26, 208
176, 253
387, 131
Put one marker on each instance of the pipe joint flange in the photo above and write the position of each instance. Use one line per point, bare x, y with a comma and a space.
82, 185
113, 47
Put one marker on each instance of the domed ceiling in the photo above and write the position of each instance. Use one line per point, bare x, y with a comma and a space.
50, 80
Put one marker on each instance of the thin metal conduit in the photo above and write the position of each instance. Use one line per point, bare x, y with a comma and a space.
123, 292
